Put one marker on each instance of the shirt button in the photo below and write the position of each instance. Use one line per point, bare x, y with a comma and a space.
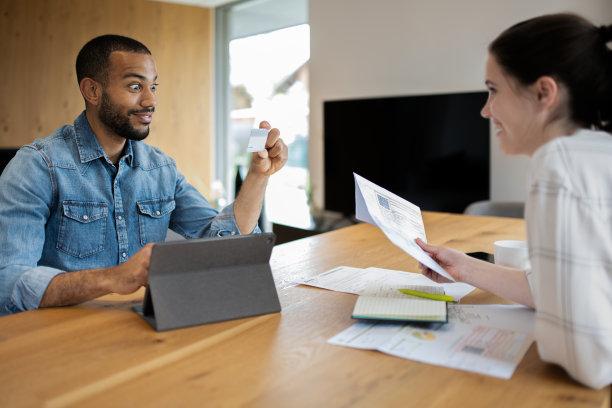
85, 217
119, 218
123, 255
157, 213
232, 233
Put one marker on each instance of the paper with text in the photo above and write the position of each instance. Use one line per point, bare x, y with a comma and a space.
354, 280
400, 220
485, 339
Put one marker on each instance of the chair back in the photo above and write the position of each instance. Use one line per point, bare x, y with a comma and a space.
512, 209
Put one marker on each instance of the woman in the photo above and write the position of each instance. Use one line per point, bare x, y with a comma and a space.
550, 97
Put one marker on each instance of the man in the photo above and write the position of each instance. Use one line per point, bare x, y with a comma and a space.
92, 198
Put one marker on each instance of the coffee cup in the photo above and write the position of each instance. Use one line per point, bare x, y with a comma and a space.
513, 254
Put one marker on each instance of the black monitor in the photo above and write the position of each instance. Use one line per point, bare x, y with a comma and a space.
432, 150
6, 154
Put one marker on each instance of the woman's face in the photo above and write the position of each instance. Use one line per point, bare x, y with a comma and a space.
513, 110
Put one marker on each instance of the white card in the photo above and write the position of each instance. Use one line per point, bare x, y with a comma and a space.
257, 140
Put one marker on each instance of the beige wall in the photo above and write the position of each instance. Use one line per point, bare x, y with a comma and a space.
39, 42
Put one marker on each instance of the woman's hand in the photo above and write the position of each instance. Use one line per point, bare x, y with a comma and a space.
456, 263
505, 282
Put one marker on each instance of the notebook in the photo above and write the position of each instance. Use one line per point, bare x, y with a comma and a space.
208, 280
388, 303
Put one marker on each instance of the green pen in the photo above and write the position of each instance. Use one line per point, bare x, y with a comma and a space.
432, 296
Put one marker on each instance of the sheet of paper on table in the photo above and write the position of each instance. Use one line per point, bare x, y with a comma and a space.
354, 280
485, 339
400, 220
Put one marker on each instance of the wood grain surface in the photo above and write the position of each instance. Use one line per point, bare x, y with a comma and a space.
102, 354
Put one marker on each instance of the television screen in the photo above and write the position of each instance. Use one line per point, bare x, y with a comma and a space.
6, 154
432, 150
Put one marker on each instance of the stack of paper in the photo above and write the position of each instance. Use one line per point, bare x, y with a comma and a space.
486, 339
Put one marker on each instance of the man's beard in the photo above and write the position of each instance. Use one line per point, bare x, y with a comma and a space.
119, 123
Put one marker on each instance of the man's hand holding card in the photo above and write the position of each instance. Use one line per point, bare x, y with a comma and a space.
269, 151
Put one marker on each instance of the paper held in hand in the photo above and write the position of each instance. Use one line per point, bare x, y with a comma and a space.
257, 140
400, 220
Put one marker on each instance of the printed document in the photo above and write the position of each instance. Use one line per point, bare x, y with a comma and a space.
400, 220
485, 339
355, 280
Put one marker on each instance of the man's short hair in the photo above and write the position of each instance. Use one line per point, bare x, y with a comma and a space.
93, 59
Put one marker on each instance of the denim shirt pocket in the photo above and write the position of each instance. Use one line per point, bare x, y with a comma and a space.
82, 229
154, 219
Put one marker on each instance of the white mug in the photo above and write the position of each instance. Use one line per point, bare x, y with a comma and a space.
511, 253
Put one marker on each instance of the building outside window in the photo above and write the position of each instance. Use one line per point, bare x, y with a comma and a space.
264, 76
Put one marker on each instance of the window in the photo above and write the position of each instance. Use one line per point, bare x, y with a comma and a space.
262, 70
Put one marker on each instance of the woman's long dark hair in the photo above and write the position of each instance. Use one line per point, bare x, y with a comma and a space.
569, 49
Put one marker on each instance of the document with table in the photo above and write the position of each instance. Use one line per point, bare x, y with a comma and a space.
400, 220
486, 339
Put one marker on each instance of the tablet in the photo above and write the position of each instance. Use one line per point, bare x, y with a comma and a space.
199, 281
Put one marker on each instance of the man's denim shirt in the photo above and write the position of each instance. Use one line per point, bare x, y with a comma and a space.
65, 207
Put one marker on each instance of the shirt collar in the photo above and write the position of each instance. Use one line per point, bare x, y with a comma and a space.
88, 146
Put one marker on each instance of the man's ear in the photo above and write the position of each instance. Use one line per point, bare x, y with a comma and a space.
91, 91
547, 91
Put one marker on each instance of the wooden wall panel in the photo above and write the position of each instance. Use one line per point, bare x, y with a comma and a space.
39, 42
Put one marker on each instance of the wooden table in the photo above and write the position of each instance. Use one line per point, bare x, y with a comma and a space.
101, 354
